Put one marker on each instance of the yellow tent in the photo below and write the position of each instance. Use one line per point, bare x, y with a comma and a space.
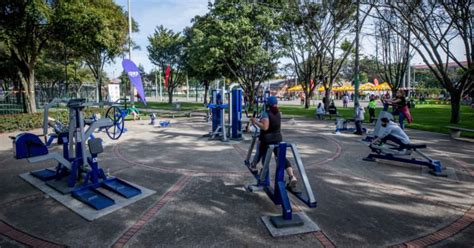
383, 86
367, 87
344, 87
295, 88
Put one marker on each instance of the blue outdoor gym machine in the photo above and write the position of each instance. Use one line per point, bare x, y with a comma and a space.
77, 171
393, 152
278, 193
233, 127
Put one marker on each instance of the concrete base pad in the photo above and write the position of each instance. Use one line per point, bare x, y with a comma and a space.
308, 226
82, 209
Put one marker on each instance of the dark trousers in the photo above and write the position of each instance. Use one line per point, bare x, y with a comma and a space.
371, 114
262, 153
358, 125
393, 139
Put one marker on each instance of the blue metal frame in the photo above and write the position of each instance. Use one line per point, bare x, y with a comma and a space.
278, 193
236, 131
435, 165
28, 145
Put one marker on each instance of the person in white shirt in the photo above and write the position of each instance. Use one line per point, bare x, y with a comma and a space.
345, 100
392, 132
320, 111
359, 117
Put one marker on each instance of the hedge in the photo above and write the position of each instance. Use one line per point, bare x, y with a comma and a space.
24, 122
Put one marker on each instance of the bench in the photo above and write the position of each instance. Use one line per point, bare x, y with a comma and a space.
330, 115
455, 132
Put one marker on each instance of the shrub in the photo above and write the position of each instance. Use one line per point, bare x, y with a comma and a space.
24, 122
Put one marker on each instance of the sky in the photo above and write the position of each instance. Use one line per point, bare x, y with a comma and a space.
177, 14
172, 14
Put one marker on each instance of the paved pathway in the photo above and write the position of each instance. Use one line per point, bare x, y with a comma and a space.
200, 200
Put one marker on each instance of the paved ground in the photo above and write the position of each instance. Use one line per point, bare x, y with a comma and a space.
200, 200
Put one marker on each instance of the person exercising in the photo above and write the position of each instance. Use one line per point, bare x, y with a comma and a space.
392, 132
270, 134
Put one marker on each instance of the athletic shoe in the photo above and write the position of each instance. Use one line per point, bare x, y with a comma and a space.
292, 182
253, 167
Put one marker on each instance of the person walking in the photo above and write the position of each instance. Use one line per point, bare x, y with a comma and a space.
359, 118
372, 105
345, 100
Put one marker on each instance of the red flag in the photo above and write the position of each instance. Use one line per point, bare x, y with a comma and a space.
312, 83
167, 75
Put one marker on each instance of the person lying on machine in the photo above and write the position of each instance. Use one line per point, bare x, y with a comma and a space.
392, 132
270, 134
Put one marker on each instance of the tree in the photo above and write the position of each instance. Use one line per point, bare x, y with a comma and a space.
100, 32
243, 36
26, 28
298, 46
166, 49
200, 59
394, 51
436, 26
328, 24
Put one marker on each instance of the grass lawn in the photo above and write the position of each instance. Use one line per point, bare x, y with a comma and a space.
426, 117
185, 106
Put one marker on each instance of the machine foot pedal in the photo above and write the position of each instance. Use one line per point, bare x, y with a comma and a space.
279, 222
121, 187
44, 174
93, 198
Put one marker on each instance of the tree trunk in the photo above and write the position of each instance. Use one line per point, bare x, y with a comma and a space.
196, 91
170, 95
455, 106
28, 83
251, 95
307, 102
327, 95
206, 90
394, 92
99, 86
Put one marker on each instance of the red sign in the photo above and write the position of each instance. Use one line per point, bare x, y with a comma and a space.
167, 76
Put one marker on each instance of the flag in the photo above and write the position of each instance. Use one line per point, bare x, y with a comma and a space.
167, 75
134, 74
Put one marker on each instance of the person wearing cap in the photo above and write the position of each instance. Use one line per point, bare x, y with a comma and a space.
270, 134
392, 132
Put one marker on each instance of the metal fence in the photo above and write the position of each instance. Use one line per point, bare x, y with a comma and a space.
11, 102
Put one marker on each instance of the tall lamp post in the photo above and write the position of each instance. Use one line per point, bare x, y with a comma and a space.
132, 91
356, 62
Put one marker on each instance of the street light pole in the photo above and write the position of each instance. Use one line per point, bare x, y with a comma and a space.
132, 91
356, 62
